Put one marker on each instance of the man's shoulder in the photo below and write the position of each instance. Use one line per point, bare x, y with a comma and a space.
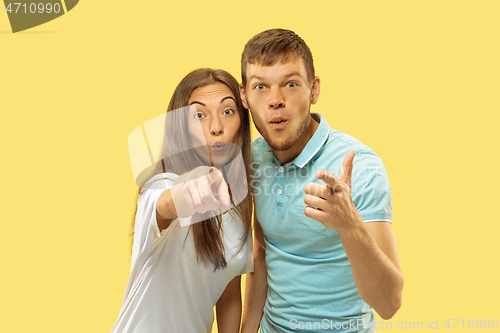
337, 140
347, 141
339, 144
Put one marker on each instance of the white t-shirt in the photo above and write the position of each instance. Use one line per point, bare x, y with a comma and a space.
168, 290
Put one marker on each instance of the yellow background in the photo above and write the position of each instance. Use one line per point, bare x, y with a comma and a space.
417, 81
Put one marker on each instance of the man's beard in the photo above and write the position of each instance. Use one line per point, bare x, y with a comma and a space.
282, 144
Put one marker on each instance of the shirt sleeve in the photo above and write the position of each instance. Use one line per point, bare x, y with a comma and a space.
146, 226
371, 191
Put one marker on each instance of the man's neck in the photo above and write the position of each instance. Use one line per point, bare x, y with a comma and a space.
290, 154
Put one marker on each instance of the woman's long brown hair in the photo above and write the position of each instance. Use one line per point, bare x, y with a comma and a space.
179, 157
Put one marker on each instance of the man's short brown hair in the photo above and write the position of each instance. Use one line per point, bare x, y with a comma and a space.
272, 45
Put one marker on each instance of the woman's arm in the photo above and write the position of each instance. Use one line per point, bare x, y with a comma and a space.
228, 308
192, 192
165, 210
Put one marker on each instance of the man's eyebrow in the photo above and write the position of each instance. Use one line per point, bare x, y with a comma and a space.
291, 74
256, 77
285, 76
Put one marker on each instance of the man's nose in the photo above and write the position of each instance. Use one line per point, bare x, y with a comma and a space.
276, 99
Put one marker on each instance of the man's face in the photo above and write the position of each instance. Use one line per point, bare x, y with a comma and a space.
279, 97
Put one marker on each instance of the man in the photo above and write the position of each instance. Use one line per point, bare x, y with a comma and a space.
324, 252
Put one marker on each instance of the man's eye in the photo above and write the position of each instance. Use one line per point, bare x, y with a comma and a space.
291, 84
228, 112
259, 87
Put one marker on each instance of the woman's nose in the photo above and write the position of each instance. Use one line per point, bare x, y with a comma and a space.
216, 127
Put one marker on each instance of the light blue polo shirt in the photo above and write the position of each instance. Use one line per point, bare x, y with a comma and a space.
311, 286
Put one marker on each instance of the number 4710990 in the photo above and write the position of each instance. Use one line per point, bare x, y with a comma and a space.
34, 8
471, 324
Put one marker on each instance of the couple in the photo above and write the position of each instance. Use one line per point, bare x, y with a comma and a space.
324, 255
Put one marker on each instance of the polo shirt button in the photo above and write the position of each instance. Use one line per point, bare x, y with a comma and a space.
280, 191
281, 169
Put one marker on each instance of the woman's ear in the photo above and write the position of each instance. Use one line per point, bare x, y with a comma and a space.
243, 96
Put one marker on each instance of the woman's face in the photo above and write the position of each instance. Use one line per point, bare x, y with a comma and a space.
213, 107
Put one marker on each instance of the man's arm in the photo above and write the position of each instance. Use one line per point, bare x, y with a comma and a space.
256, 285
373, 255
228, 307
370, 247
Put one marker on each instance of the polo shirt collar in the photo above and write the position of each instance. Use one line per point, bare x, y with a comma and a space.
313, 146
315, 143
264, 147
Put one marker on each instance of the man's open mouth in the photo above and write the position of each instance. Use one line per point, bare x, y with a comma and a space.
278, 121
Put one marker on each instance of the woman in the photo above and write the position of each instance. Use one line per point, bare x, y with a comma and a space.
179, 271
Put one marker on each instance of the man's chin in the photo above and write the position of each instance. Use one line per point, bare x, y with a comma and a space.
280, 146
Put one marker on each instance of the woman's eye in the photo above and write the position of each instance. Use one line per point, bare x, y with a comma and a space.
291, 84
228, 112
259, 87
198, 115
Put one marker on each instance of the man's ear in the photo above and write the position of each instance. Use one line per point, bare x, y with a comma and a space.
315, 90
243, 96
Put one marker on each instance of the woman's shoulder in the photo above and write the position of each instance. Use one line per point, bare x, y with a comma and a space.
232, 225
162, 180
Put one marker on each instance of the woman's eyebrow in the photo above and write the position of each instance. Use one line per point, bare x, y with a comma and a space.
196, 102
222, 100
